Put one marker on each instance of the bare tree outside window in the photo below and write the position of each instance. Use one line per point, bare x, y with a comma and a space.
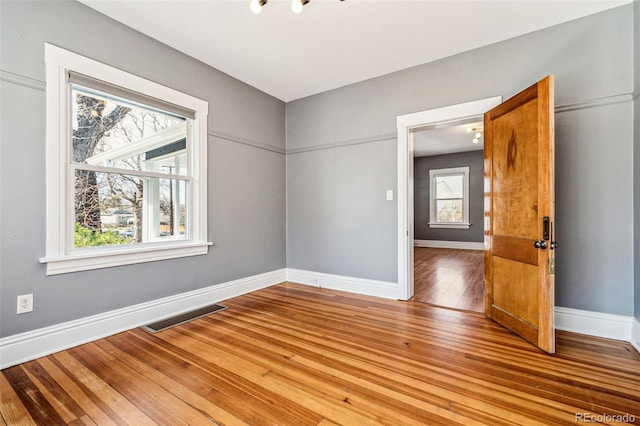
92, 124
111, 134
126, 167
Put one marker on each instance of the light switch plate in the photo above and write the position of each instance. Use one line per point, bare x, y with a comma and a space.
389, 194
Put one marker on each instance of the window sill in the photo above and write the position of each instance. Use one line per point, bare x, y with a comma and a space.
105, 259
450, 225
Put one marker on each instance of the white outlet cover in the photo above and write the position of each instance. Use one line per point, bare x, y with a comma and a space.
25, 303
389, 194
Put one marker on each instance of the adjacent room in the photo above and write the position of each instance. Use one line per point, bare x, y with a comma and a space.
290, 212
448, 176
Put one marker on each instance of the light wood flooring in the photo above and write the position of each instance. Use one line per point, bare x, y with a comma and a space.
449, 278
298, 355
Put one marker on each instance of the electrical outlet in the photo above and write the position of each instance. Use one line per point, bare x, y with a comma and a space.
314, 281
25, 303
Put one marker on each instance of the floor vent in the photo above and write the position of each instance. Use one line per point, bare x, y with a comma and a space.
182, 318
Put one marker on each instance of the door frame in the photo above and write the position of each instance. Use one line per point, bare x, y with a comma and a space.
406, 123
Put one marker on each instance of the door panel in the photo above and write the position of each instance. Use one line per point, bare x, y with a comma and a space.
521, 295
519, 193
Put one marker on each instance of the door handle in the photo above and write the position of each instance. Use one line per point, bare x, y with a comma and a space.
554, 244
542, 244
547, 234
545, 228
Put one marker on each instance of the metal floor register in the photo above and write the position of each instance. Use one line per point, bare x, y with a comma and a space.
182, 318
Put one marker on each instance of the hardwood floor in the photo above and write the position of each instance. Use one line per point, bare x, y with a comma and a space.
298, 355
449, 278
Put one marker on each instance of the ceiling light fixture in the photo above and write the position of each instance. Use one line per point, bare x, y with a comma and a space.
297, 5
478, 134
256, 5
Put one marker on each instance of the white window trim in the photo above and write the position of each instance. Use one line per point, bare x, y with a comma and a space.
433, 223
60, 258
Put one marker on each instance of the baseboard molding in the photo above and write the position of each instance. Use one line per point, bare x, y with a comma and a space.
27, 346
635, 334
598, 324
462, 245
30, 345
388, 290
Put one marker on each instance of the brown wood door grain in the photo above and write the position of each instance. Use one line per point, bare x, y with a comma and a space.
519, 194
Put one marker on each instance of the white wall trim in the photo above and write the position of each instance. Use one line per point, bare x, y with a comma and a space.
33, 344
344, 143
595, 102
598, 324
385, 289
22, 80
635, 334
462, 245
245, 141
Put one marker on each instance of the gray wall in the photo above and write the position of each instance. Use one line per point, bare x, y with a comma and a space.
338, 216
247, 214
592, 61
636, 155
342, 159
421, 196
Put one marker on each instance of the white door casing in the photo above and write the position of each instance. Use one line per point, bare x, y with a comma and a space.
406, 123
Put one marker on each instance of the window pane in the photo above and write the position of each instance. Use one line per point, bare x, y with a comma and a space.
449, 211
116, 209
171, 211
449, 186
112, 132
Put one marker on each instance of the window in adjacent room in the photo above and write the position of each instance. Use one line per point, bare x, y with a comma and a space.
449, 201
126, 167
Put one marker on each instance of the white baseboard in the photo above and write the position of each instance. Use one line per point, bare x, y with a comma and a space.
27, 346
37, 343
598, 324
635, 334
388, 290
461, 245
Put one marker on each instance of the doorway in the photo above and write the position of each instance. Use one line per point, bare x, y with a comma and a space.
407, 126
448, 176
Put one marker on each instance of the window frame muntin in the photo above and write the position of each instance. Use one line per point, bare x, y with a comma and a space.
433, 217
60, 256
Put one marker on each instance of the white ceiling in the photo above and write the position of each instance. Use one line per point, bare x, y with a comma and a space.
447, 139
334, 43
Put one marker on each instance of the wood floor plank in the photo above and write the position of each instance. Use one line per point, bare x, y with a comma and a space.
443, 386
92, 413
65, 406
297, 368
168, 372
259, 376
12, 410
152, 400
38, 407
449, 277
108, 399
232, 388
298, 355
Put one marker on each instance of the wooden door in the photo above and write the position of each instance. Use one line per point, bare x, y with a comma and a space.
519, 214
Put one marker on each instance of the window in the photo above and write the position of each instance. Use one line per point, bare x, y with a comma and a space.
449, 201
126, 167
